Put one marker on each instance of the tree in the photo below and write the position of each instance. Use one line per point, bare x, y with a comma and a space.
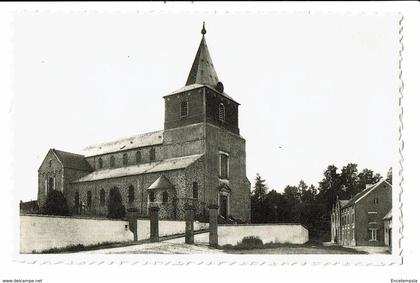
116, 209
55, 204
260, 188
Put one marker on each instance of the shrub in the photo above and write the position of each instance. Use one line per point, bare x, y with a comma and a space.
251, 242
55, 204
116, 209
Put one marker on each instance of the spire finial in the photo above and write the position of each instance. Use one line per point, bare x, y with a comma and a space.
203, 30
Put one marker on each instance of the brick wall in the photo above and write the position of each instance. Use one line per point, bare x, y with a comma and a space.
384, 195
213, 101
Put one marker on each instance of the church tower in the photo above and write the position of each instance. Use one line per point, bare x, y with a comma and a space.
202, 103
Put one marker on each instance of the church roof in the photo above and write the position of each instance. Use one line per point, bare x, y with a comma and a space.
152, 167
202, 70
388, 215
161, 183
72, 160
147, 139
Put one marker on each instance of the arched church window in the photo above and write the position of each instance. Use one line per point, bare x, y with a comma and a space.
184, 109
102, 197
195, 190
222, 112
125, 159
138, 156
130, 194
152, 154
50, 163
112, 161
100, 163
76, 199
165, 197
152, 196
89, 199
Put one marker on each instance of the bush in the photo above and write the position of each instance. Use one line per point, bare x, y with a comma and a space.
55, 204
116, 209
251, 242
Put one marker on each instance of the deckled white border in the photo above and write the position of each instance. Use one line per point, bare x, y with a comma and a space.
241, 260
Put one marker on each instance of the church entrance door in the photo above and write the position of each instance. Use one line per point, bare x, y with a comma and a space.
223, 206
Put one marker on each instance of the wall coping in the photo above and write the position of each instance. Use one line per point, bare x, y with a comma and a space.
264, 224
71, 217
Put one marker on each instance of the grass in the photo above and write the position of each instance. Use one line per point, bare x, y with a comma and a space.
77, 248
244, 246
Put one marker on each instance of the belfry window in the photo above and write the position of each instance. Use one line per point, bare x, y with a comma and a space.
184, 109
125, 159
222, 112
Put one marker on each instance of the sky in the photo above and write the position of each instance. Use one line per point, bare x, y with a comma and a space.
315, 89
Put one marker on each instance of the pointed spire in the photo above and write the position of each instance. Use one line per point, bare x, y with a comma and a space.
202, 70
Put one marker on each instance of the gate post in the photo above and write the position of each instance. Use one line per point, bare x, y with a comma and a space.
189, 223
132, 214
154, 223
213, 213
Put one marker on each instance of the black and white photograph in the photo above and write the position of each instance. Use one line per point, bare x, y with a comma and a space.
142, 135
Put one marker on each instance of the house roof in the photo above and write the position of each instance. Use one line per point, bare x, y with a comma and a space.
343, 202
141, 140
161, 183
388, 215
152, 167
364, 193
72, 160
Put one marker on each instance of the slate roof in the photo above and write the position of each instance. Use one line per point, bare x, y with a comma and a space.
363, 193
161, 183
72, 160
388, 215
202, 70
146, 139
152, 167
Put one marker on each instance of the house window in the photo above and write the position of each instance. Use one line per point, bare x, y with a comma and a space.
224, 166
138, 156
373, 234
130, 194
165, 197
195, 190
100, 163
184, 109
102, 197
375, 201
151, 196
89, 199
222, 112
112, 161
51, 184
125, 159
152, 154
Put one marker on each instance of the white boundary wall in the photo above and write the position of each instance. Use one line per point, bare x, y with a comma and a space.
276, 233
40, 232
43, 232
166, 227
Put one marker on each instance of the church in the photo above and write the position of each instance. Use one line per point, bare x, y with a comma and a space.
199, 158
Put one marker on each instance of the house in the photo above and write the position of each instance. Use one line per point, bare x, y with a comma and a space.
358, 221
388, 229
198, 158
